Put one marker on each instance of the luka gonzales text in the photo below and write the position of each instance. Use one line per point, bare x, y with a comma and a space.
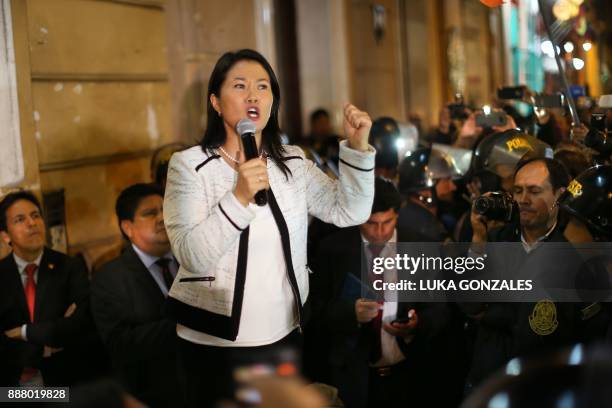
449, 285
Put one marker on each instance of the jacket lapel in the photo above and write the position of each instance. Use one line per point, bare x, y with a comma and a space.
141, 274
44, 279
14, 281
356, 254
354, 262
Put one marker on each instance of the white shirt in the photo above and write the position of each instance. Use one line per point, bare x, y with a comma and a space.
531, 246
268, 305
21, 265
154, 269
391, 353
528, 247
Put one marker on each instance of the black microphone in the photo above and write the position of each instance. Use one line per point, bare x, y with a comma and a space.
246, 129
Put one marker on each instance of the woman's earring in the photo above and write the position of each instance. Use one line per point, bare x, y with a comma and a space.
219, 113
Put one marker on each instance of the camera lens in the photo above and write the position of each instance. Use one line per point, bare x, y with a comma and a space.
482, 205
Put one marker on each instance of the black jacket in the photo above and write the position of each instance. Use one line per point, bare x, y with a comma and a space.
338, 349
61, 281
128, 309
419, 225
507, 330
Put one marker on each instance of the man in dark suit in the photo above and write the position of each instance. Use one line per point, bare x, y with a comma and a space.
44, 302
128, 297
375, 361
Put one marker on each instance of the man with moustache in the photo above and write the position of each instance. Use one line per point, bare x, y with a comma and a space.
128, 297
506, 330
44, 301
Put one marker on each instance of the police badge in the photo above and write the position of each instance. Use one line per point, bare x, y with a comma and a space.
543, 318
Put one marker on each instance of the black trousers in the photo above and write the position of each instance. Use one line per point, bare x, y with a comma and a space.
206, 373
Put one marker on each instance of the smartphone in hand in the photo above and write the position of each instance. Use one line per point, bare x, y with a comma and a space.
493, 119
402, 320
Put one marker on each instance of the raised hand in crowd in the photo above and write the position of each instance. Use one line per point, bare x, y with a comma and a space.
470, 131
357, 125
579, 133
481, 225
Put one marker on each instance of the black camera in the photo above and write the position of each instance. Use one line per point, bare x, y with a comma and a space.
599, 122
512, 92
549, 101
489, 120
497, 206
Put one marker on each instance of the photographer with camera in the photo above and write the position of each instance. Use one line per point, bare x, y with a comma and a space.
482, 123
492, 168
538, 183
542, 111
529, 216
450, 120
593, 140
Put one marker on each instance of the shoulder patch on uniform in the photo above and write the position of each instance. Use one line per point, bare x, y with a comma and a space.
543, 319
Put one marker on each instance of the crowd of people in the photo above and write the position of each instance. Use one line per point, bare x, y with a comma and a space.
214, 288
559, 184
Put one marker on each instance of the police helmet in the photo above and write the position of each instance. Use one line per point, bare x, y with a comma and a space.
589, 198
383, 136
507, 148
423, 167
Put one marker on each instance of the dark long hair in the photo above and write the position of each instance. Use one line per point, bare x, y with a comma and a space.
215, 136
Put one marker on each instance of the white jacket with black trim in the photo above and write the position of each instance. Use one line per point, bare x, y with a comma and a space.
208, 227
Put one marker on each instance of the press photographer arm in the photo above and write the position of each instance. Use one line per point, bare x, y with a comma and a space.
481, 226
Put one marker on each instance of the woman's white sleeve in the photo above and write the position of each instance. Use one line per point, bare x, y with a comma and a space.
201, 231
348, 200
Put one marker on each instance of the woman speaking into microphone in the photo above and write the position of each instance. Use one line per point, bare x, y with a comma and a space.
243, 278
